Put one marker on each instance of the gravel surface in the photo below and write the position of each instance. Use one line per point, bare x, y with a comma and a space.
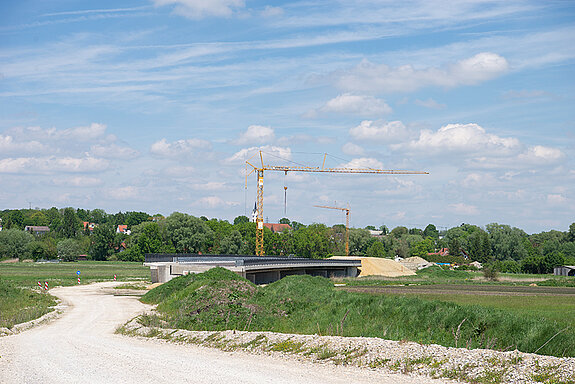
81, 347
431, 361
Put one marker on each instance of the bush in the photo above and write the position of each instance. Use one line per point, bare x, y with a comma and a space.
69, 250
490, 273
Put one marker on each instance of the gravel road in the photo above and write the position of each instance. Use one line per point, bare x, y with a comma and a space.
81, 347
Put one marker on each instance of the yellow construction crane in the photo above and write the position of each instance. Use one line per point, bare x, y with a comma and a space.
260, 187
346, 224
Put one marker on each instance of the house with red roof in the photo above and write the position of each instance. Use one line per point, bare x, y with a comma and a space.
277, 228
123, 229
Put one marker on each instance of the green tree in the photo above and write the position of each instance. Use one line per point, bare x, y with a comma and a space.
284, 220
431, 231
398, 232
377, 249
70, 223
359, 241
69, 249
189, 234
232, 244
135, 218
571, 233
13, 243
146, 237
36, 250
423, 247
241, 219
102, 245
507, 242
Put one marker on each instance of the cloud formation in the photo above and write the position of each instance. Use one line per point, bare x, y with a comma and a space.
256, 134
348, 103
273, 151
470, 138
197, 9
383, 132
178, 148
369, 77
51, 165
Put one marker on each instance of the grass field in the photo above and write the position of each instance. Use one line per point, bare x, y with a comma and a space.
28, 274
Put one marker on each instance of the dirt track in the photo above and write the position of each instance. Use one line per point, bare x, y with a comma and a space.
81, 347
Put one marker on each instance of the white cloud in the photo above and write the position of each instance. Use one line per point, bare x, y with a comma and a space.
270, 11
113, 151
464, 209
123, 193
83, 134
49, 165
78, 181
430, 103
178, 148
197, 9
369, 77
363, 162
214, 202
352, 149
256, 134
464, 138
9, 145
210, 186
541, 154
249, 153
389, 132
556, 199
354, 104
179, 171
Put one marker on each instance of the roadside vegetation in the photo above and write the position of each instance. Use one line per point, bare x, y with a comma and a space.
218, 300
19, 305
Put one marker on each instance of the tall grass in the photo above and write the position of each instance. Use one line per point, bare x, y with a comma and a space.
19, 305
308, 305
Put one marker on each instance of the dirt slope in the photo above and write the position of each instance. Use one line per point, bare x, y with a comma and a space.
81, 347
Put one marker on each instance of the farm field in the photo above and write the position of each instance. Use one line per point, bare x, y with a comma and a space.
28, 274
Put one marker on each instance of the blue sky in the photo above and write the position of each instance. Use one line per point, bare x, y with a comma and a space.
155, 106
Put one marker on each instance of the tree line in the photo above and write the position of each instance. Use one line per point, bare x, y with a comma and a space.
505, 248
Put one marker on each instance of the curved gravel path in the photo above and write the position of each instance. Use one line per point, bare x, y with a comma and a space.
81, 347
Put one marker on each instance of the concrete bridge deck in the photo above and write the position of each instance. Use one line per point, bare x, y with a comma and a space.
257, 269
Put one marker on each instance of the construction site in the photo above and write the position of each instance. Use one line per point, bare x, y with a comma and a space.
261, 269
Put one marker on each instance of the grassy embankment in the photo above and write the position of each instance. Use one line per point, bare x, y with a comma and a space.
219, 299
20, 297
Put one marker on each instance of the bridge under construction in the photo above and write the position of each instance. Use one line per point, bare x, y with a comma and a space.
257, 269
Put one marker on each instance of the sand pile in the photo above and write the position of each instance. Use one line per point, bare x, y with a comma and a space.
415, 263
377, 266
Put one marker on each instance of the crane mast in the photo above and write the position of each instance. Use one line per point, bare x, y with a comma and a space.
346, 224
280, 168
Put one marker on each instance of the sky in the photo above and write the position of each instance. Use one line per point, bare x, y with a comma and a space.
155, 105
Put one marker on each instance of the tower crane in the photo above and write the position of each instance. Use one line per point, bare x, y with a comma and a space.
280, 168
346, 224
